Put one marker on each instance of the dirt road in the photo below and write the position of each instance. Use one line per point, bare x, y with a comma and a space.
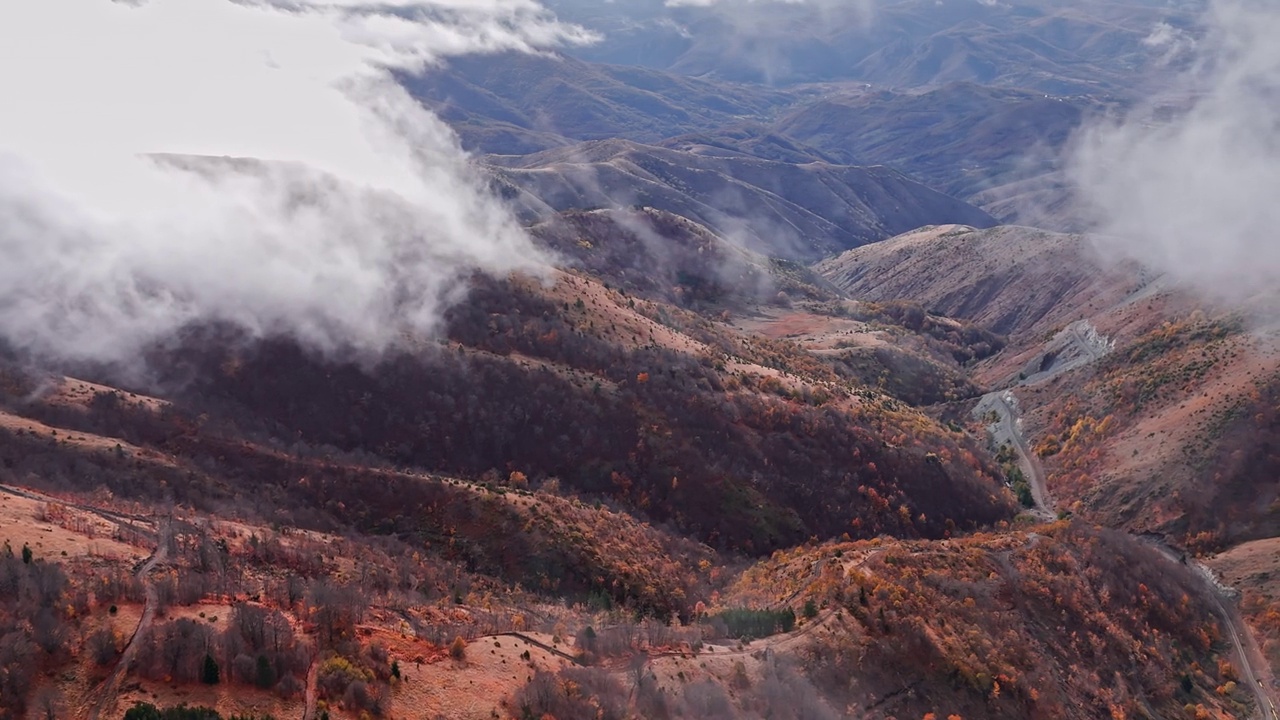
111, 687
313, 673
1008, 431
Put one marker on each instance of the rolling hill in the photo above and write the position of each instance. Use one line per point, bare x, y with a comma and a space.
1163, 423
799, 212
1092, 47
777, 421
514, 103
998, 148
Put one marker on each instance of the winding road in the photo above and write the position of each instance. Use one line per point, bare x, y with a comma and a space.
110, 688
1241, 640
1007, 430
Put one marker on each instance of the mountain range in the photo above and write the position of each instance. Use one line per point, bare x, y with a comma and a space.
816, 397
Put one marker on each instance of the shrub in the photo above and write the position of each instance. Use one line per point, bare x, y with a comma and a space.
103, 647
147, 711
289, 686
337, 674
458, 648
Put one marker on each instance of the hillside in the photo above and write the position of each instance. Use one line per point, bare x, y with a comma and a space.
350, 623
665, 257
1015, 281
644, 405
611, 387
998, 148
638, 360
581, 452
797, 212
1093, 47
1149, 408
1252, 568
1063, 621
514, 103
567, 442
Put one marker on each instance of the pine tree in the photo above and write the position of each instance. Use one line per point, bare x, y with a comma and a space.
266, 675
211, 675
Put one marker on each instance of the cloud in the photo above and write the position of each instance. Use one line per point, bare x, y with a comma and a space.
768, 37
1195, 194
359, 226
1172, 42
708, 3
862, 10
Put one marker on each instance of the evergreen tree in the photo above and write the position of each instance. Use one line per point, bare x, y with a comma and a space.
266, 675
211, 675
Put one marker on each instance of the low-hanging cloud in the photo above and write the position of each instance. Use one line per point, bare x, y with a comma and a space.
1195, 195
129, 208
767, 36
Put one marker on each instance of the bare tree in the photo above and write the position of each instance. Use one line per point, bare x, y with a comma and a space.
103, 646
49, 704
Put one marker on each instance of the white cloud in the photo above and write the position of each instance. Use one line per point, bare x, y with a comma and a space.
1196, 195
360, 229
707, 3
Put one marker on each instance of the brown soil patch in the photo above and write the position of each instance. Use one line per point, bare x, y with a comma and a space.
78, 393
813, 331
47, 532
475, 688
1253, 566
78, 439
227, 699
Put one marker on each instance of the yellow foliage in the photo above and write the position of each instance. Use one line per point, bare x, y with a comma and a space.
458, 648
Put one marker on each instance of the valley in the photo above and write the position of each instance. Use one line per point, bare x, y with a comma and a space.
563, 360
554, 534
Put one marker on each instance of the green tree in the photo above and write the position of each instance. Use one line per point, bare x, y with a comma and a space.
26, 554
211, 675
266, 675
142, 711
810, 609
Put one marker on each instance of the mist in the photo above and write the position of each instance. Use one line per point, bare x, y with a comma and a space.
1187, 183
129, 207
